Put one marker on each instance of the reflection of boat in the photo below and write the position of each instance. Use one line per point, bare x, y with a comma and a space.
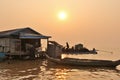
84, 62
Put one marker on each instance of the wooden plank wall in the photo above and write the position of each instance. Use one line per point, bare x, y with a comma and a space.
4, 42
15, 46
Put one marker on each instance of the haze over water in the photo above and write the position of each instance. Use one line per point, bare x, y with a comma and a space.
96, 23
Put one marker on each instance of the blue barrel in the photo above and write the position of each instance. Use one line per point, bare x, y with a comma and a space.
2, 56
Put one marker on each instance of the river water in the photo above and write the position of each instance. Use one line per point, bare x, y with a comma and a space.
46, 70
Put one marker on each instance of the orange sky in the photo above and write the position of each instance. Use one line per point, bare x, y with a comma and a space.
92, 22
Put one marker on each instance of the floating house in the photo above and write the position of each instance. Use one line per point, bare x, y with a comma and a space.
21, 41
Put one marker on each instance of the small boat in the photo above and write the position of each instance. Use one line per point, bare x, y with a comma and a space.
84, 62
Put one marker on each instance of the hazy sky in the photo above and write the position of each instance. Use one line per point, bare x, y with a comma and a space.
92, 22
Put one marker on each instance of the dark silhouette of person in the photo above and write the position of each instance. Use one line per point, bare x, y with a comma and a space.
67, 45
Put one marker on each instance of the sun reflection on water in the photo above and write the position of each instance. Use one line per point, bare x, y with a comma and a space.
61, 74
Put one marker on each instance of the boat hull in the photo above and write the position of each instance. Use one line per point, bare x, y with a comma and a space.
85, 62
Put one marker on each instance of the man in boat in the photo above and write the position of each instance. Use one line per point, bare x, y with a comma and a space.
67, 47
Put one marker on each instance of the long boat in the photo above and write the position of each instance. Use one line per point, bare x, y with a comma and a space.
84, 62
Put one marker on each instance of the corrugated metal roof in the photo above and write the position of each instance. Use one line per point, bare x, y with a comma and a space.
20, 31
56, 43
35, 37
32, 36
9, 32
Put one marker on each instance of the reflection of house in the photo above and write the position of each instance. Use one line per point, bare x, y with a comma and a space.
17, 41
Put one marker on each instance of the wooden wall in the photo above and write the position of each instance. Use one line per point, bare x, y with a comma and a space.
11, 46
15, 46
54, 51
4, 43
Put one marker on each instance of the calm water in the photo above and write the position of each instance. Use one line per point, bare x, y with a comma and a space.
45, 70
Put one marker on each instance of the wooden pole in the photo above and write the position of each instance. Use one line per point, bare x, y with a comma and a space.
20, 49
47, 44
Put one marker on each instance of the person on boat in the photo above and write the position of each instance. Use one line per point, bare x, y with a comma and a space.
94, 50
67, 45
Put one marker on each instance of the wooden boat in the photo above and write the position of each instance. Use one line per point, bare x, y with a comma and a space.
90, 52
84, 62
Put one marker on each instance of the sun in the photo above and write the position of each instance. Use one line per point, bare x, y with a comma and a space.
62, 15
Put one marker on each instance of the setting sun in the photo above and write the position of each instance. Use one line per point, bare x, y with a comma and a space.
62, 15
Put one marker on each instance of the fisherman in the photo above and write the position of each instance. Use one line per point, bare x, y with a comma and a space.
67, 45
94, 50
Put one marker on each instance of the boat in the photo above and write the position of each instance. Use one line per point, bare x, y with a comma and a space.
90, 52
84, 62
78, 49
